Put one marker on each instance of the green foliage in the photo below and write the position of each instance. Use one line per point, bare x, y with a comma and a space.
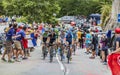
35, 10
22, 19
1, 8
43, 10
78, 7
105, 12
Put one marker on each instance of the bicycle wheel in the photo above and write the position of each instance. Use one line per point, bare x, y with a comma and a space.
61, 54
51, 54
43, 51
74, 49
68, 56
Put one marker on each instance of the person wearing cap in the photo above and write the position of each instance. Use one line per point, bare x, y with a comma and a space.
117, 41
113, 59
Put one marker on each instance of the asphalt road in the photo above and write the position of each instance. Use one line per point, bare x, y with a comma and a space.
80, 65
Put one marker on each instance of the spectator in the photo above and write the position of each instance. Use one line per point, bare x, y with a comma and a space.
18, 44
94, 45
114, 57
79, 36
88, 42
104, 52
9, 42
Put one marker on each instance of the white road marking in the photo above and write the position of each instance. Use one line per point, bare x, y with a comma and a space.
62, 66
60, 63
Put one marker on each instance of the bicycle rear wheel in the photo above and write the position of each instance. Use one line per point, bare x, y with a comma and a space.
74, 49
68, 56
44, 52
61, 54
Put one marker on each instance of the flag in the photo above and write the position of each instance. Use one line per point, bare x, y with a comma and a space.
114, 63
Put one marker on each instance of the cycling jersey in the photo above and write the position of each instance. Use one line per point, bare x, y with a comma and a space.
57, 32
45, 35
69, 37
52, 38
62, 36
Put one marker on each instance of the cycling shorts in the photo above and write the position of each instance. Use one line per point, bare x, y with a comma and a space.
69, 42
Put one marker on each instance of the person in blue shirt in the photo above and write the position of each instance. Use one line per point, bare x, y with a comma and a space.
9, 42
88, 41
9, 34
109, 35
69, 39
21, 43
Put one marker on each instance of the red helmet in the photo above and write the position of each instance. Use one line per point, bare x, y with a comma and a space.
73, 23
117, 30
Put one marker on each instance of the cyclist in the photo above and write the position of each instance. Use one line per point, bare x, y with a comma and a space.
51, 37
61, 39
69, 39
51, 40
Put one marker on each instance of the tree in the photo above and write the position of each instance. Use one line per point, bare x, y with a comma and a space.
1, 9
105, 13
112, 23
34, 10
78, 7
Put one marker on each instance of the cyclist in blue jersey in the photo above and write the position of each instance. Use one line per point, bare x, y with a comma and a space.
69, 39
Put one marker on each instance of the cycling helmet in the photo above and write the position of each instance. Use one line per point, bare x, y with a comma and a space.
73, 23
117, 30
